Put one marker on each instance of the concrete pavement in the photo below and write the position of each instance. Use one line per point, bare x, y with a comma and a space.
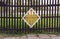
32, 36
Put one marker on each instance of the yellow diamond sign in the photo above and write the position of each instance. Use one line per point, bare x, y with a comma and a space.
31, 17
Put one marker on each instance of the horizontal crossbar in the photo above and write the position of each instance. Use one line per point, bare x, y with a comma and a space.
30, 5
41, 17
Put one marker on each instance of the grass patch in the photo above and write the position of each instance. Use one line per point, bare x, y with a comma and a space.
19, 22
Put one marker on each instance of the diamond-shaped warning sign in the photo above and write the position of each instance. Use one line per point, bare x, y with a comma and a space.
31, 17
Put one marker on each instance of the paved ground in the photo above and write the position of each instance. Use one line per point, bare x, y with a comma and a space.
32, 36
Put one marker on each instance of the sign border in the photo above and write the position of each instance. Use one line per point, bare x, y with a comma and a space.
35, 21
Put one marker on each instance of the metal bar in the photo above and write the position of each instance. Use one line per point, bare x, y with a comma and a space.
12, 18
14, 11
32, 5
47, 16
17, 15
57, 16
36, 12
44, 15
41, 14
6, 14
24, 14
31, 29
40, 17
52, 16
1, 16
9, 17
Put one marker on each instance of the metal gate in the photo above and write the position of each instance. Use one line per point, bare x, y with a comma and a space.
12, 11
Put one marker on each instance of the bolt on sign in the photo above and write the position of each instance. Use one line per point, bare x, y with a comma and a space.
31, 18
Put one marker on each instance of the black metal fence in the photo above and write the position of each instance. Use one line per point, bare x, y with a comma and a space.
12, 11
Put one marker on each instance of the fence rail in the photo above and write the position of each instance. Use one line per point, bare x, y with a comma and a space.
30, 5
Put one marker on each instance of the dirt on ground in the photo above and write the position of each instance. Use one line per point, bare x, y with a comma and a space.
32, 36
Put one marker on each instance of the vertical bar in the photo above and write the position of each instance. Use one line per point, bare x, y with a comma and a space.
20, 18
44, 13
17, 16
52, 16
34, 2
57, 16
2, 19
28, 9
41, 15
24, 14
31, 29
36, 13
47, 15
1, 16
9, 16
23, 28
6, 17
14, 16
